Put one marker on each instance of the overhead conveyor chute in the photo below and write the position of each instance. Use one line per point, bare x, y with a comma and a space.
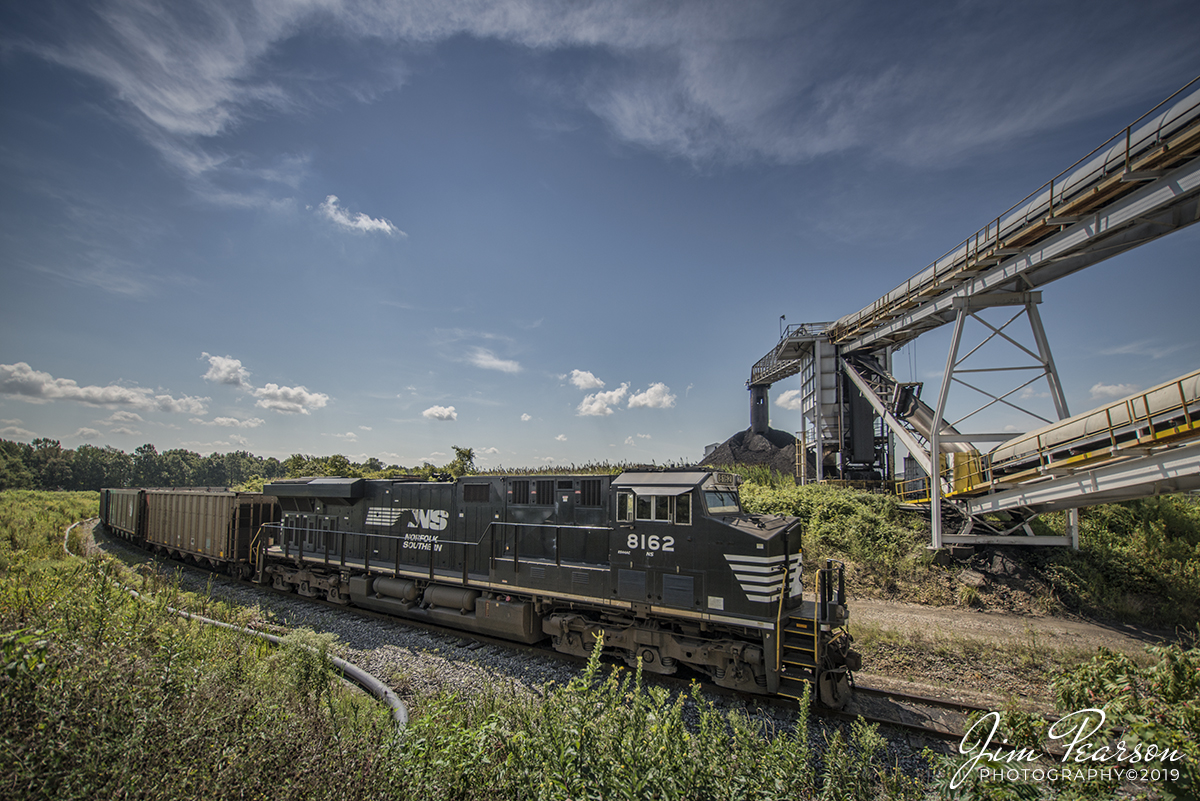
899, 405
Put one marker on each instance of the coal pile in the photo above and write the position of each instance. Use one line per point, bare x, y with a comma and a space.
775, 449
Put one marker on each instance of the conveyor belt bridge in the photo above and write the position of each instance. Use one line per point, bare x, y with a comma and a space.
1141, 184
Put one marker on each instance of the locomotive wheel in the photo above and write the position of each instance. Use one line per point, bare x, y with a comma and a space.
833, 688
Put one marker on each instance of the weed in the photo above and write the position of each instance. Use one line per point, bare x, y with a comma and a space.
968, 596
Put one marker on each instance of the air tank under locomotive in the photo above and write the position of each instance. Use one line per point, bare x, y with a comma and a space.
661, 565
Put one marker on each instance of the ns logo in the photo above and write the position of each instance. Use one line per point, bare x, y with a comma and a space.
429, 519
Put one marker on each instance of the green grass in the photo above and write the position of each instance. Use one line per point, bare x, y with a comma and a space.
1138, 562
106, 696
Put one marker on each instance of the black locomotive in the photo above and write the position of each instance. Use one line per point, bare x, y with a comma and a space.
660, 565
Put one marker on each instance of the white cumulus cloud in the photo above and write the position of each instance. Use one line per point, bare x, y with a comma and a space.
440, 413
790, 400
121, 416
360, 222
35, 386
289, 400
525, 418
598, 403
658, 396
16, 432
561, 438
585, 380
1104, 391
226, 370
229, 371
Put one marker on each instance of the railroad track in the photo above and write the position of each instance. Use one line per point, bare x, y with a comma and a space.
942, 718
937, 718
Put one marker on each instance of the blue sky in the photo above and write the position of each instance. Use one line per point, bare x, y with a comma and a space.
553, 232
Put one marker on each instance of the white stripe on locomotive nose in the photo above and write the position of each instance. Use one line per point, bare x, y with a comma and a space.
759, 575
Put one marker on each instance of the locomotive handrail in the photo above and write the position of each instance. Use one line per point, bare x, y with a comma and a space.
825, 593
1159, 415
478, 541
295, 530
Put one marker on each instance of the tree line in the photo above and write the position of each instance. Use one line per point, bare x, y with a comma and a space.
45, 465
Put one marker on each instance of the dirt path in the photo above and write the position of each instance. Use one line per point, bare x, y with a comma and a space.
1058, 633
993, 659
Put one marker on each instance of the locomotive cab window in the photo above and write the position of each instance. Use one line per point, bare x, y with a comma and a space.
624, 506
722, 503
661, 509
683, 509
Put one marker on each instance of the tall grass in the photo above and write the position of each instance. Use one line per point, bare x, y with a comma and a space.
106, 696
32, 523
612, 737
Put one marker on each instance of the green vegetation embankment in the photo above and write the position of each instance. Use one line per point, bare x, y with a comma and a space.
1138, 562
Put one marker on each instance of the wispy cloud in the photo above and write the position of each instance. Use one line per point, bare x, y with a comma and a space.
756, 80
482, 357
359, 222
107, 273
230, 422
1150, 348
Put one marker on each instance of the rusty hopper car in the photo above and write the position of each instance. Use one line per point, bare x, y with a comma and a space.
124, 511
659, 565
208, 526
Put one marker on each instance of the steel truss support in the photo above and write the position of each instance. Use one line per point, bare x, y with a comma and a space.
1043, 363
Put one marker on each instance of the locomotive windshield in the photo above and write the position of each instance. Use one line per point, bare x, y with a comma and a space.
722, 503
